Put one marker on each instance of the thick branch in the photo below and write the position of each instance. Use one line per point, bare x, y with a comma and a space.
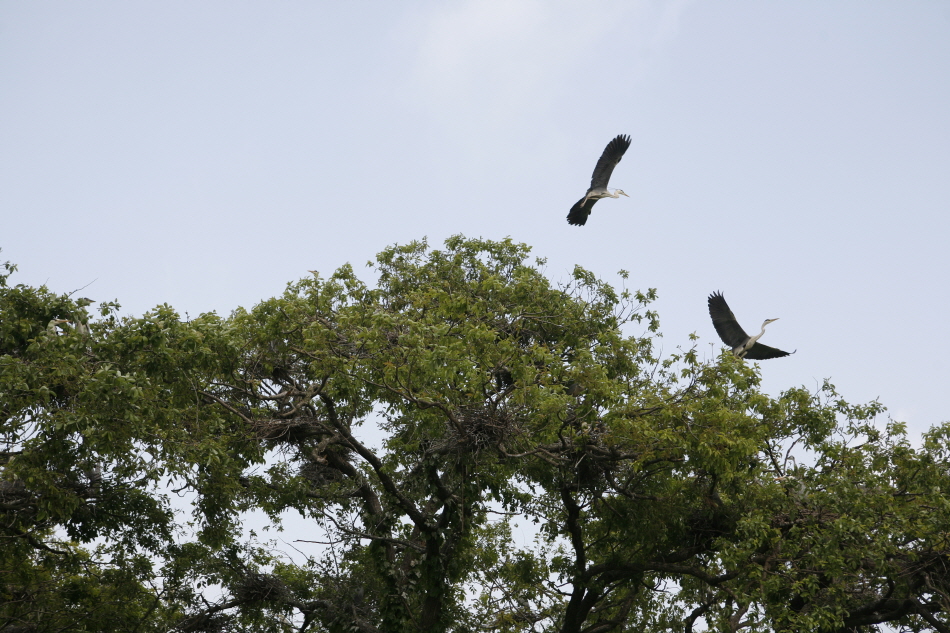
418, 519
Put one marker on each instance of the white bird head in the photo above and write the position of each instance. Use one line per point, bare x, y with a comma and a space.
619, 192
767, 321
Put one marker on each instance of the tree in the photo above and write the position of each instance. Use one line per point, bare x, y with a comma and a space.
416, 422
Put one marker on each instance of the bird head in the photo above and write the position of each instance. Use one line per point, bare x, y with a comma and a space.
767, 321
620, 192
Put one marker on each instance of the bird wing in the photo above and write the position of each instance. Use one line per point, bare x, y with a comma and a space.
580, 211
608, 160
762, 352
725, 322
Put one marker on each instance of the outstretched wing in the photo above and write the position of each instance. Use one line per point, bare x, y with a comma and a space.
608, 160
580, 211
725, 322
763, 352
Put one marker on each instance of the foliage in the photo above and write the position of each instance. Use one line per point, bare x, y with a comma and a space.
422, 426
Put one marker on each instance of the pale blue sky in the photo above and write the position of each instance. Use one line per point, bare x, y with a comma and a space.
795, 156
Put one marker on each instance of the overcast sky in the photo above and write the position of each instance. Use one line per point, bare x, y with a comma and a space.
794, 155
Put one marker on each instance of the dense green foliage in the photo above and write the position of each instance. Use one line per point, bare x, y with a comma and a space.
475, 447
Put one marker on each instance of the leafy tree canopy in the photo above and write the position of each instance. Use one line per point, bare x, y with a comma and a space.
419, 424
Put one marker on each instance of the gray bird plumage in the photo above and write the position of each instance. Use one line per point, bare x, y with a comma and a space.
598, 183
732, 334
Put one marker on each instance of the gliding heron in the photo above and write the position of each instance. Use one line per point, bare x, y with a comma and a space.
732, 334
598, 182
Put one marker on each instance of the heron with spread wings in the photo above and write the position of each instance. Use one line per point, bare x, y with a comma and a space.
732, 334
598, 182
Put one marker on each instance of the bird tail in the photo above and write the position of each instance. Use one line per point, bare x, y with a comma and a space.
580, 212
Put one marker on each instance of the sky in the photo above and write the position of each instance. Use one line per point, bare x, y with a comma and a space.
795, 156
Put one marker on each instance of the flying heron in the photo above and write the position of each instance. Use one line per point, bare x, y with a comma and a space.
732, 334
598, 182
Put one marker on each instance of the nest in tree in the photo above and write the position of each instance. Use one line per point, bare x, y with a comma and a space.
481, 428
257, 587
206, 623
13, 490
590, 473
711, 522
320, 474
290, 431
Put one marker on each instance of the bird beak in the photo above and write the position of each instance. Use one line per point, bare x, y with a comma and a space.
622, 193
